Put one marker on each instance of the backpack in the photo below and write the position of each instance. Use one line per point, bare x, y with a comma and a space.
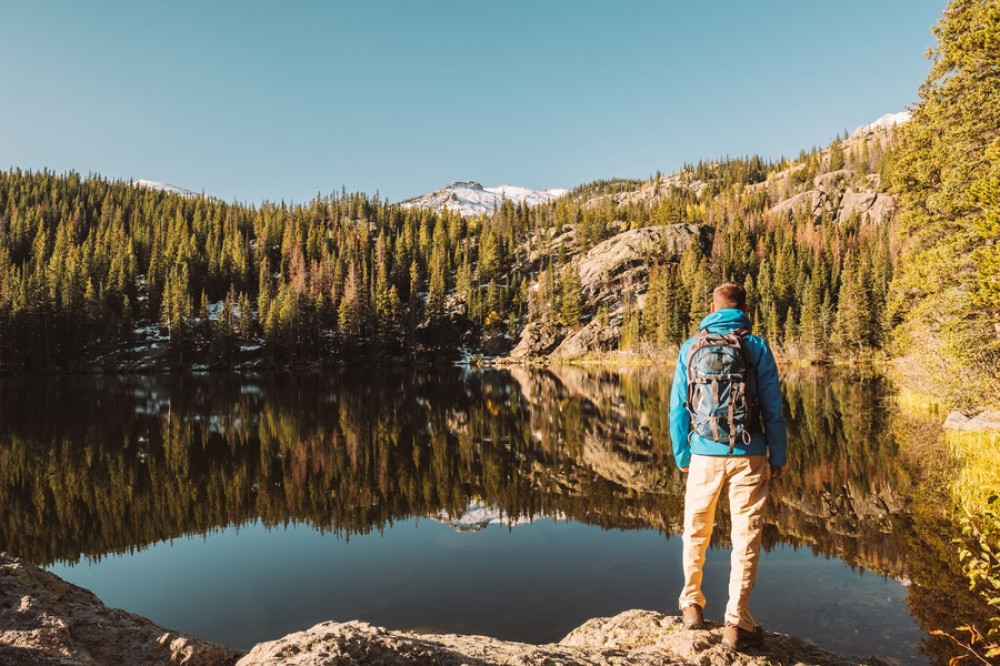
721, 391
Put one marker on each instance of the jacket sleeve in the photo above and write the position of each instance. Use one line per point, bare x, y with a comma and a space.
680, 419
769, 396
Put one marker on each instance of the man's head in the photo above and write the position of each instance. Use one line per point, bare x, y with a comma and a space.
729, 295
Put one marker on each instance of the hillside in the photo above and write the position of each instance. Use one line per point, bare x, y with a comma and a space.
95, 274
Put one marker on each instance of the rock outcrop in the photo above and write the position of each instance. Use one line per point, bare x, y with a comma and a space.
622, 261
839, 201
609, 272
632, 637
45, 620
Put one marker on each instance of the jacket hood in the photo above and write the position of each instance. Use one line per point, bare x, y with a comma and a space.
725, 320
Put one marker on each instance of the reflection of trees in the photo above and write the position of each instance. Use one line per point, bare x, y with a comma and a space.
93, 465
104, 465
841, 497
844, 493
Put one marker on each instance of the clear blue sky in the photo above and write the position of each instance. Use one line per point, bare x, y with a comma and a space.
252, 100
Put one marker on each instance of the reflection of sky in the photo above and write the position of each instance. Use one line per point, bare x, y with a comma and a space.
533, 583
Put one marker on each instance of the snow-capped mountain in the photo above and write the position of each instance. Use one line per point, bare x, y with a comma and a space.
885, 122
470, 198
163, 187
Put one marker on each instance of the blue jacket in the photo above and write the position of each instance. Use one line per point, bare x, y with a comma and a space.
773, 441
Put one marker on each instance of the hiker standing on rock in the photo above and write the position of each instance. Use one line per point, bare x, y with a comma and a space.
728, 433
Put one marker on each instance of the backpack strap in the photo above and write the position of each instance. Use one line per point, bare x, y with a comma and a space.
753, 410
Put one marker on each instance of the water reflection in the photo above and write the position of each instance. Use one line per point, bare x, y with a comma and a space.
94, 466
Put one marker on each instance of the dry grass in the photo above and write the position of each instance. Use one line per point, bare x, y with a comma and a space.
978, 458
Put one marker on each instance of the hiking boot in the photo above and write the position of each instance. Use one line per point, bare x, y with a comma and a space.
737, 638
693, 618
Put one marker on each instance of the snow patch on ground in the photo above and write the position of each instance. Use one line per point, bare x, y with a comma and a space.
164, 187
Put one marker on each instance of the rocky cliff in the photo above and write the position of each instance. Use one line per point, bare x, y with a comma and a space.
610, 273
840, 184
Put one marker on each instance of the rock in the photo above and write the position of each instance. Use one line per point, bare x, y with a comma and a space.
635, 637
651, 191
869, 206
830, 182
984, 421
650, 638
537, 340
872, 207
609, 271
360, 643
496, 345
988, 420
813, 201
594, 336
611, 265
956, 421
45, 620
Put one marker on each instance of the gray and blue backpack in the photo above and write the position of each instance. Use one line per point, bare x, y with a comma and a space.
721, 388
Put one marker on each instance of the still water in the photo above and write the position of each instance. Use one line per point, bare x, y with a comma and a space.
515, 504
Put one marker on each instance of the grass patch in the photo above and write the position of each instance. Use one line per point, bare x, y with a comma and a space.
977, 455
922, 406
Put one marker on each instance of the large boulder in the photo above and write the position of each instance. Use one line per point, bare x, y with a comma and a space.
594, 336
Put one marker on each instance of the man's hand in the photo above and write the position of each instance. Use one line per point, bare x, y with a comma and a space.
778, 471
684, 469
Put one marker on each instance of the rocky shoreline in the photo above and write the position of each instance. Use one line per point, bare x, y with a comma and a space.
45, 620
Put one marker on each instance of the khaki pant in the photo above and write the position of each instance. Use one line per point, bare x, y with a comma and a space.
747, 479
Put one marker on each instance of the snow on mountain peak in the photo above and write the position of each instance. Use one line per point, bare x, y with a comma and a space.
470, 198
163, 187
885, 122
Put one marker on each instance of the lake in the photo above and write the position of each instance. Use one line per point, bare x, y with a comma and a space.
511, 503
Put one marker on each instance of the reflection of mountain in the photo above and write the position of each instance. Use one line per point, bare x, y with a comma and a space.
477, 516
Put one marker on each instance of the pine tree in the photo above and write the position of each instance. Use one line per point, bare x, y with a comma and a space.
571, 307
942, 151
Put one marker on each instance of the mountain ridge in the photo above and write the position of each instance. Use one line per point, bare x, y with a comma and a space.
470, 198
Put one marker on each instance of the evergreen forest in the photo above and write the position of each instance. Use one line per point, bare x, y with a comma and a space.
94, 273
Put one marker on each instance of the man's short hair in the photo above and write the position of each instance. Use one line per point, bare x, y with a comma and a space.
729, 295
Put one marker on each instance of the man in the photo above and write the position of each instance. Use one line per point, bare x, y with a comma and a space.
742, 464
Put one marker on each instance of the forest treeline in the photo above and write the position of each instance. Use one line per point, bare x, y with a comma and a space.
88, 266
